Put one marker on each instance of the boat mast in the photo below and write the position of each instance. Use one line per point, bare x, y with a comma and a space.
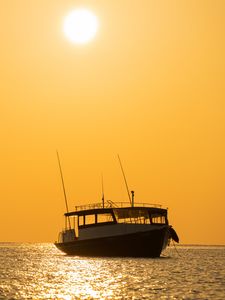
131, 202
63, 185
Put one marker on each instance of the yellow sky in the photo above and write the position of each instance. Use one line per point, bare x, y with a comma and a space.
150, 86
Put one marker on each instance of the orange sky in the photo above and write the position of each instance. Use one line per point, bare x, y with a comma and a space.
150, 87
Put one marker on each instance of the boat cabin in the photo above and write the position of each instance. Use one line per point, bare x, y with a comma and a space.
94, 219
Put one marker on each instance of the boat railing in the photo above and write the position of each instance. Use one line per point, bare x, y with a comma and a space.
111, 204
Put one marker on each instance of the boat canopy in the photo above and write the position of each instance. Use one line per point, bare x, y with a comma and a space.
139, 212
89, 212
95, 215
122, 212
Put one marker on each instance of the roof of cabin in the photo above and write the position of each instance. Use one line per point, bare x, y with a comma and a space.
121, 212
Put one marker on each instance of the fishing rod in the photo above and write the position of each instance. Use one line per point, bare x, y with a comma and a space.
63, 185
131, 202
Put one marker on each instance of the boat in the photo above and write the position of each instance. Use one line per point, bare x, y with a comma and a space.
124, 229
116, 229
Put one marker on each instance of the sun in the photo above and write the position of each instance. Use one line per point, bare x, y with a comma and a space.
80, 26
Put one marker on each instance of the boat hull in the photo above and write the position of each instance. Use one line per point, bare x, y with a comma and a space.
140, 244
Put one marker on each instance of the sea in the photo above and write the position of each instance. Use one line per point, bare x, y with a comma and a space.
40, 271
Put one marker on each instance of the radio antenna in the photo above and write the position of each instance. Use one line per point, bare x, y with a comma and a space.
63, 185
103, 196
125, 180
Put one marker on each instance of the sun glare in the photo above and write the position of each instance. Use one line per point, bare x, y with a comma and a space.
80, 26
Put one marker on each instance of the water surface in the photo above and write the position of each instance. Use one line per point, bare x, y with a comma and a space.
40, 271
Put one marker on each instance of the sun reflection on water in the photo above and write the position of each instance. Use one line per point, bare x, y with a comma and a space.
30, 271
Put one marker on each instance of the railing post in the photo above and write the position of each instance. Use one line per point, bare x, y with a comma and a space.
132, 203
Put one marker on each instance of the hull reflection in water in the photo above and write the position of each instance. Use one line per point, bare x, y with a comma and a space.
117, 230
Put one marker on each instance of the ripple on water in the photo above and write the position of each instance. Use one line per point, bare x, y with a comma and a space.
40, 271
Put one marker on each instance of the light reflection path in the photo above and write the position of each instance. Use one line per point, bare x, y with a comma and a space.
40, 271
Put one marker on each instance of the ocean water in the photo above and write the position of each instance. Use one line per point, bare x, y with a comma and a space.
40, 271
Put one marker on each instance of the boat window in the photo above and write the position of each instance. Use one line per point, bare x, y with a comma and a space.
102, 218
137, 216
137, 220
89, 219
93, 219
81, 220
158, 220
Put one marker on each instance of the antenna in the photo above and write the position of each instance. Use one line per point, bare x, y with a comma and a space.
63, 185
103, 196
125, 180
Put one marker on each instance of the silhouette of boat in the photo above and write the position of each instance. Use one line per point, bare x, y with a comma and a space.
116, 229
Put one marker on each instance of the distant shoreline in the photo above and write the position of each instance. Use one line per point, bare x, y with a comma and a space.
198, 245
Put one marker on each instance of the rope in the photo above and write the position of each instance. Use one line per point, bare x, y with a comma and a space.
175, 248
